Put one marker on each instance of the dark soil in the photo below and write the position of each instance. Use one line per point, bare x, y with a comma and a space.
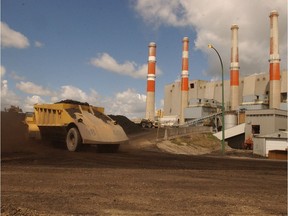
41, 179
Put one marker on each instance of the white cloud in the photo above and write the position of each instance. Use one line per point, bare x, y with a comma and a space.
2, 71
12, 38
128, 68
212, 21
30, 101
16, 76
32, 88
128, 103
38, 44
8, 97
74, 93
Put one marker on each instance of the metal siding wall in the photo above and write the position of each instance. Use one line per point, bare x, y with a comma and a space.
167, 99
249, 85
193, 112
176, 99
275, 144
281, 122
193, 92
261, 84
267, 124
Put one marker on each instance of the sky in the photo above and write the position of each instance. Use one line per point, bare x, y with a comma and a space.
96, 51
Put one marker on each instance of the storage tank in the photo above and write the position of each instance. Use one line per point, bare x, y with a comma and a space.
230, 120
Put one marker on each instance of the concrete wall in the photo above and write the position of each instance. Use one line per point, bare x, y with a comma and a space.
270, 121
259, 147
172, 99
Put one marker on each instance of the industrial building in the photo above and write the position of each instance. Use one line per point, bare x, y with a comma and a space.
255, 105
205, 96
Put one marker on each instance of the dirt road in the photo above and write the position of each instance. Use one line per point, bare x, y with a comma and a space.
139, 180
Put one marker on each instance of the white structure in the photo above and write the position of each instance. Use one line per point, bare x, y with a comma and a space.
276, 141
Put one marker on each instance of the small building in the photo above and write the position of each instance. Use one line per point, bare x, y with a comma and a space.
276, 141
263, 122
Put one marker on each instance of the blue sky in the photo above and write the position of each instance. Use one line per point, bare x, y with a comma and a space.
97, 50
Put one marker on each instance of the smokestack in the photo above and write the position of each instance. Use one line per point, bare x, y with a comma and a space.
234, 69
150, 97
274, 89
184, 78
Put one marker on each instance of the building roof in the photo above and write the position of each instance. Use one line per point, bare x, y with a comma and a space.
276, 135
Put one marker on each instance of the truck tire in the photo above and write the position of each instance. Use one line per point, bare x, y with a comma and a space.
73, 139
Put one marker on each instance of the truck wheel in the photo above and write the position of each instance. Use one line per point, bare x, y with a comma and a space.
150, 125
143, 125
73, 139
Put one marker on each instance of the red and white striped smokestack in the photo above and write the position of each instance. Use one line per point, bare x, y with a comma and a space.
184, 78
150, 97
274, 92
234, 69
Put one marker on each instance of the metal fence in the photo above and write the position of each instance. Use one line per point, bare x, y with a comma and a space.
171, 132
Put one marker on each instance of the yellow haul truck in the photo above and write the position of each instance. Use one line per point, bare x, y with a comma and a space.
77, 123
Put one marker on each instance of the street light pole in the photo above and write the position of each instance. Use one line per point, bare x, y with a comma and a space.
223, 107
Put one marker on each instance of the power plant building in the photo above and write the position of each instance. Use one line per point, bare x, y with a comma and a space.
254, 105
205, 96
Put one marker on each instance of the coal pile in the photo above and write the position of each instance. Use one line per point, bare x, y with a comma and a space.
128, 126
14, 132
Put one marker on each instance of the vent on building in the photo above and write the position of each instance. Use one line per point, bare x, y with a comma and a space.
255, 129
191, 85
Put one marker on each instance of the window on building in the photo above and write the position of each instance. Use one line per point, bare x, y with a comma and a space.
191, 85
255, 129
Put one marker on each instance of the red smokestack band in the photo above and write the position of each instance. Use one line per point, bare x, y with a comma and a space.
274, 71
234, 77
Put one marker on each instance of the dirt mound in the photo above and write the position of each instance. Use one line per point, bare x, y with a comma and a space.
128, 126
194, 144
14, 132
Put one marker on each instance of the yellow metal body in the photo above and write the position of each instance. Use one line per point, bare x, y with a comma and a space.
93, 125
